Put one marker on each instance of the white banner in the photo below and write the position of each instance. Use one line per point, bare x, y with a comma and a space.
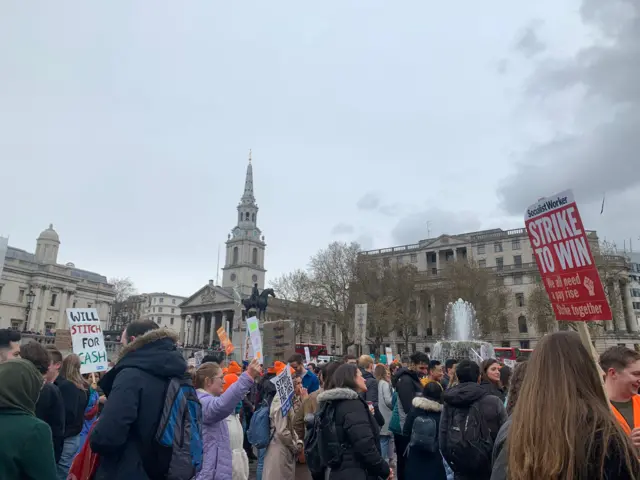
198, 356
88, 340
360, 327
389, 354
247, 352
4, 244
256, 340
307, 355
284, 388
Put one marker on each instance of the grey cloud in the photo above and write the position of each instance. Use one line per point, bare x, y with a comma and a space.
528, 42
413, 228
342, 229
602, 156
369, 201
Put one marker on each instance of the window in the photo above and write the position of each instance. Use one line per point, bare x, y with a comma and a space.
333, 331
155, 300
254, 256
313, 328
324, 330
636, 305
385, 261
1, 290
235, 255
522, 324
159, 320
173, 301
499, 264
497, 247
517, 279
505, 344
520, 299
481, 250
21, 295
413, 347
159, 309
525, 344
253, 217
173, 310
515, 244
482, 263
154, 309
400, 260
171, 321
434, 271
161, 299
517, 260
635, 292
54, 297
414, 259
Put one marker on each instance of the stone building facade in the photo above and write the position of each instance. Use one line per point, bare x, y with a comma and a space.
51, 287
163, 309
508, 254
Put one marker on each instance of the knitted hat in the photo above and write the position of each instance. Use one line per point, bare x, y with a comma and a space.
234, 368
229, 379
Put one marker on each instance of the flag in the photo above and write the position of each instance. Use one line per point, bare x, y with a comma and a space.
602, 208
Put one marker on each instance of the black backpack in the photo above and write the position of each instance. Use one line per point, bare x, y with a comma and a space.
469, 445
322, 447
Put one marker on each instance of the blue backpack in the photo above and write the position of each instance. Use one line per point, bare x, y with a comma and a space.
259, 432
178, 439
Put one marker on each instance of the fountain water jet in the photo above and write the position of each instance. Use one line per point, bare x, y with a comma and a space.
461, 335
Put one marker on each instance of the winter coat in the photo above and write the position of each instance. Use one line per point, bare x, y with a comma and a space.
420, 463
216, 464
613, 467
408, 386
135, 388
75, 401
309, 406
385, 404
280, 459
462, 396
26, 448
358, 431
239, 459
493, 389
50, 409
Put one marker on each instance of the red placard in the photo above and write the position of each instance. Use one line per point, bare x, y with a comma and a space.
562, 252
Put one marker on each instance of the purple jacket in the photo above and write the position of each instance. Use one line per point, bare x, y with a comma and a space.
215, 433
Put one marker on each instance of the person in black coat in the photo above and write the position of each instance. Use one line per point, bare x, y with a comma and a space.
135, 388
356, 428
424, 462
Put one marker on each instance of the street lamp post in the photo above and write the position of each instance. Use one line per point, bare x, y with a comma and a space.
186, 340
30, 297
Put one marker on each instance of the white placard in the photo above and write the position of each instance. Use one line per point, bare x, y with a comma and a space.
307, 355
360, 327
88, 340
256, 340
284, 389
4, 244
509, 363
198, 356
389, 354
247, 353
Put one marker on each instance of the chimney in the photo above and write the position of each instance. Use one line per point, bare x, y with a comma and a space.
211, 283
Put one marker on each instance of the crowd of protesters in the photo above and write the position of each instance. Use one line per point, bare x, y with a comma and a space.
554, 416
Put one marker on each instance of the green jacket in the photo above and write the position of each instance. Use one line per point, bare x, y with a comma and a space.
26, 448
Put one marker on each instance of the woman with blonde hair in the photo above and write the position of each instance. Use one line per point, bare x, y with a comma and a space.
562, 426
75, 395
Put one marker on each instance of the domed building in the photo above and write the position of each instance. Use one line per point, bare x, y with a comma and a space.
35, 290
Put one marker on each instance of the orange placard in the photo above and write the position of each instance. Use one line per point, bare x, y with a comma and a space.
225, 342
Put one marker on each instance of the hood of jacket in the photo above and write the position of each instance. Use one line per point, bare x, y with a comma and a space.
155, 352
427, 405
464, 394
404, 371
337, 394
20, 385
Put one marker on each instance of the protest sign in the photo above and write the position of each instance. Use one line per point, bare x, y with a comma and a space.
389, 354
307, 355
224, 341
88, 340
64, 341
284, 388
254, 334
562, 252
247, 353
198, 356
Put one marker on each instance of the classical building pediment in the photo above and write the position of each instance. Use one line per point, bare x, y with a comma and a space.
444, 242
208, 295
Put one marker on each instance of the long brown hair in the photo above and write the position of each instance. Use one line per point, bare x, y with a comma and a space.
204, 371
562, 425
515, 384
70, 371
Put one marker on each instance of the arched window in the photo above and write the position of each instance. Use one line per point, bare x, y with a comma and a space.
239, 216
333, 331
313, 328
324, 330
235, 255
522, 324
246, 217
254, 257
253, 217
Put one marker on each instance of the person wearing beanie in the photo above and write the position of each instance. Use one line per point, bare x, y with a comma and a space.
234, 368
229, 379
26, 445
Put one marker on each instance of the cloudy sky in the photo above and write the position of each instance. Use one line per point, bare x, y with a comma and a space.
128, 124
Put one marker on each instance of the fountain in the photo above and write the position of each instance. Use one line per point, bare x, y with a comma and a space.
461, 335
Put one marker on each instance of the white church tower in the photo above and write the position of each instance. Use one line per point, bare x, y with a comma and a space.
244, 259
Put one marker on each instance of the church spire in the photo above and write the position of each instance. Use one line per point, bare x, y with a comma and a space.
247, 196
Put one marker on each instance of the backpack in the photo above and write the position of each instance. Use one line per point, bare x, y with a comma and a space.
259, 431
322, 447
178, 439
394, 422
469, 445
424, 434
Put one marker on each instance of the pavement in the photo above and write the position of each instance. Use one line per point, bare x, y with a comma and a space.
302, 473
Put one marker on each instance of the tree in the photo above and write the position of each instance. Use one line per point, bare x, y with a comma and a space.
539, 309
332, 272
479, 286
124, 308
296, 291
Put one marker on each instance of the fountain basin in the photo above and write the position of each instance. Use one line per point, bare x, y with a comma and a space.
462, 350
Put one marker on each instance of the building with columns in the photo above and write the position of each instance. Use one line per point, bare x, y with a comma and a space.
214, 306
35, 290
508, 254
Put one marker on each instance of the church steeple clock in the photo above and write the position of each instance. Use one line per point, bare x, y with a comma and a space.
244, 259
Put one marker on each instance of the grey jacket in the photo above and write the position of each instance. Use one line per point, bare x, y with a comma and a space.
500, 456
385, 403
